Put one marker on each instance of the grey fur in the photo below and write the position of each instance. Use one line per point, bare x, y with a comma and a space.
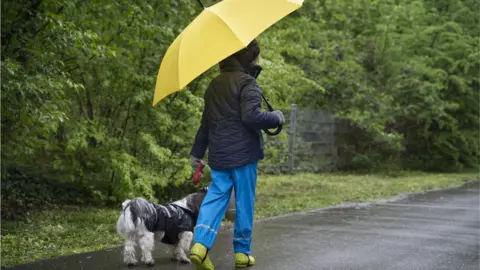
193, 201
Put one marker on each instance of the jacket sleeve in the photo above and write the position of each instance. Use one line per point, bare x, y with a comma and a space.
251, 103
201, 138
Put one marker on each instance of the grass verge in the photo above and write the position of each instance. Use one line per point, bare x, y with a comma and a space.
278, 195
71, 230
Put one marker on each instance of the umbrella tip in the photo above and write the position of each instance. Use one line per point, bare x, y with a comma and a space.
201, 4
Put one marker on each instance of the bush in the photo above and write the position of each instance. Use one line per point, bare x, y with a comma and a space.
367, 150
22, 193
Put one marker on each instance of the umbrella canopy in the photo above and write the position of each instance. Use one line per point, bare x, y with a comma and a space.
218, 32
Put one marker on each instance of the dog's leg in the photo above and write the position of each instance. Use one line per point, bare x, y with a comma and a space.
182, 249
186, 239
146, 244
171, 251
159, 236
129, 257
178, 254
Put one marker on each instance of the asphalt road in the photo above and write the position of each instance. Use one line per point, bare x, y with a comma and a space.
436, 230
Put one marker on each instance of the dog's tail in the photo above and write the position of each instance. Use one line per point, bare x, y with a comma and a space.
126, 221
134, 212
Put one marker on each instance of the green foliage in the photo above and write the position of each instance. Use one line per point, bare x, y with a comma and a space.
22, 193
77, 85
409, 65
367, 150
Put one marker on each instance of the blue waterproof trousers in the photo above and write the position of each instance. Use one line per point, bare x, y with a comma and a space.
244, 180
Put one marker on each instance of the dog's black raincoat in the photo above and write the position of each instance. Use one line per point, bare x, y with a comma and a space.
177, 217
172, 219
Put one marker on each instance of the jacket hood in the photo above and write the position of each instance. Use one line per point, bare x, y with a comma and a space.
231, 64
243, 60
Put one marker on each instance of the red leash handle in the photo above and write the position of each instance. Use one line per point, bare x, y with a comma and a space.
198, 173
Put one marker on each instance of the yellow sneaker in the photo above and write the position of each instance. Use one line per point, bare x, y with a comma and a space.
199, 256
243, 260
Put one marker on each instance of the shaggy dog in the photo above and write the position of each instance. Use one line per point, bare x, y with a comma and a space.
143, 223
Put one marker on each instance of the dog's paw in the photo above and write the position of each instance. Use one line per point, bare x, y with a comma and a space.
185, 260
131, 263
149, 262
180, 258
130, 260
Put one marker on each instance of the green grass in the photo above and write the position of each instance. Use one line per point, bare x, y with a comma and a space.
278, 195
58, 232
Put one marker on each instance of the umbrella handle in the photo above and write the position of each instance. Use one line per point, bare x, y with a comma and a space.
279, 128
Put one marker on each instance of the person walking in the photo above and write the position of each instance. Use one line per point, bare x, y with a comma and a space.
231, 129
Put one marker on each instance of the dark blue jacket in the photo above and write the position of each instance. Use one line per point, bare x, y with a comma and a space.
232, 119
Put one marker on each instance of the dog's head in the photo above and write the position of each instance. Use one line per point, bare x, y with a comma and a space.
203, 189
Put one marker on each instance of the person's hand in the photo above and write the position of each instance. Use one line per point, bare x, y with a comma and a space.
195, 162
280, 116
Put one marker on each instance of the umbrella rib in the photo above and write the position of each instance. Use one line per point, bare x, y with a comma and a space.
178, 63
180, 84
228, 26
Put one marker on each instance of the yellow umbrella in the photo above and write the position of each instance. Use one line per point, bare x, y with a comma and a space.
218, 32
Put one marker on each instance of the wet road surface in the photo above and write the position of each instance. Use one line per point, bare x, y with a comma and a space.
435, 230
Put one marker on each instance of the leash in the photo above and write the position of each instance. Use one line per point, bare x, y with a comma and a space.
255, 72
198, 173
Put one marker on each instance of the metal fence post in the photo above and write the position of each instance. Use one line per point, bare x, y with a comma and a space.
291, 137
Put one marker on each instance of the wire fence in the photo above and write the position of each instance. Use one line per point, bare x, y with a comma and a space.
309, 142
